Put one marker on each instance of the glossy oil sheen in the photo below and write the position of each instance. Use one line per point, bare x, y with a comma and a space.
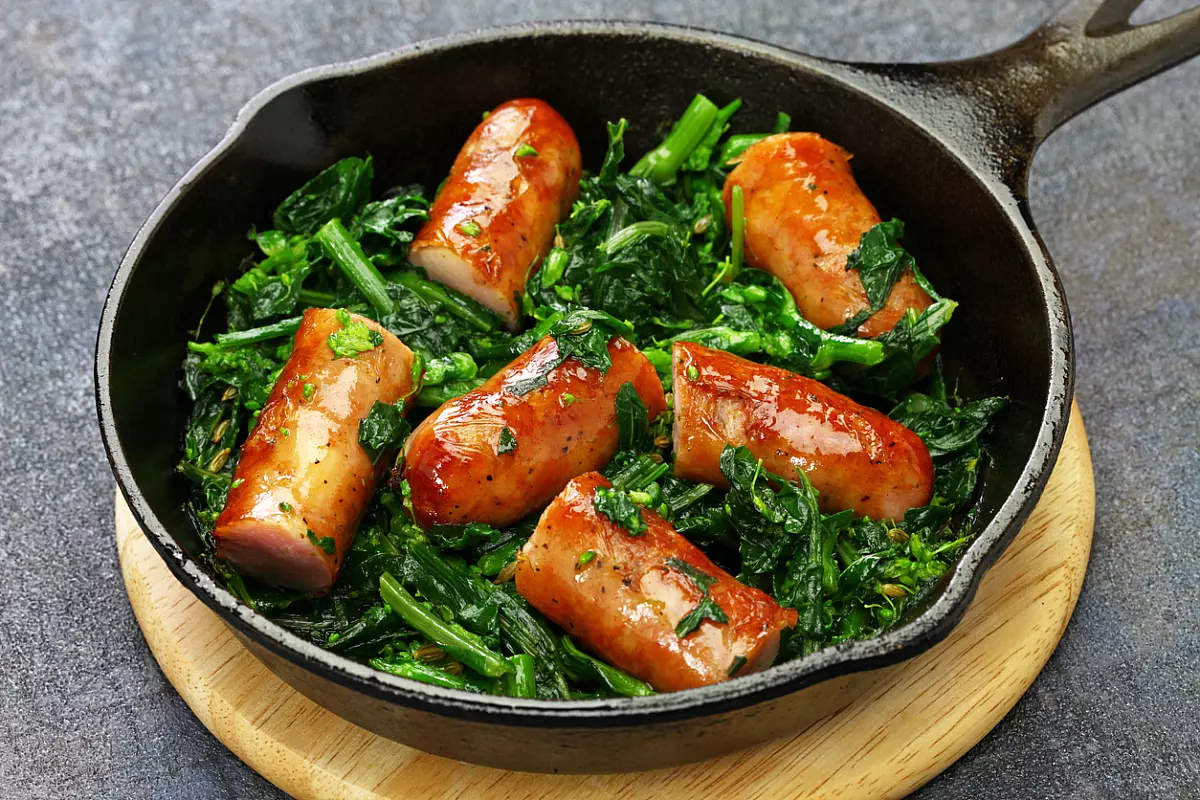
804, 216
945, 147
515, 197
856, 457
302, 475
459, 473
625, 603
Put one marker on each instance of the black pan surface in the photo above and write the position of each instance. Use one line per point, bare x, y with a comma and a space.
944, 147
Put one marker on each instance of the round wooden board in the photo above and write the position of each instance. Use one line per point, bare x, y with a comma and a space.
921, 716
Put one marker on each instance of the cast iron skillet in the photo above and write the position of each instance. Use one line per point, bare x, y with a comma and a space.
946, 147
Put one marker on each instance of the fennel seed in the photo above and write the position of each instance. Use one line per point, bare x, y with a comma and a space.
218, 461
505, 575
898, 536
893, 590
429, 652
229, 393
221, 429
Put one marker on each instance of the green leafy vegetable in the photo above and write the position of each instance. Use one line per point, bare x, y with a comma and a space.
880, 261
645, 254
337, 192
586, 668
272, 287
326, 543
454, 639
946, 429
633, 421
458, 305
582, 335
707, 608
383, 429
616, 505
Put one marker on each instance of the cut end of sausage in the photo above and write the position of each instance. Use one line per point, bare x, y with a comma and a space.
302, 466
449, 269
274, 553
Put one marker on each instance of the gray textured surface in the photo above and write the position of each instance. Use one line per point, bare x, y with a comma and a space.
104, 104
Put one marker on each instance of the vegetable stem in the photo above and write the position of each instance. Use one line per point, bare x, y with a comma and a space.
632, 234
349, 257
469, 312
284, 327
521, 681
452, 638
661, 163
738, 215
637, 474
692, 495
311, 297
421, 672
731, 340
199, 474
832, 347
617, 681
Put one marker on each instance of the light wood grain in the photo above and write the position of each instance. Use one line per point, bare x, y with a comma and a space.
919, 717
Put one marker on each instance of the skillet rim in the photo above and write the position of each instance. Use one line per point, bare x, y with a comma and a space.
903, 642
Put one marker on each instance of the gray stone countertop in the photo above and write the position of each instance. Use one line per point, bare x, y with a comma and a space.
104, 104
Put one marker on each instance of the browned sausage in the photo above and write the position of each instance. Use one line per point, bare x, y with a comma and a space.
304, 482
513, 180
460, 472
804, 216
856, 457
625, 603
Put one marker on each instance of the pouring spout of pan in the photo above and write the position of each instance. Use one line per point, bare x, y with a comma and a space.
999, 107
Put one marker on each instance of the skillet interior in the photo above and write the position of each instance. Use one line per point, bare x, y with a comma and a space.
411, 112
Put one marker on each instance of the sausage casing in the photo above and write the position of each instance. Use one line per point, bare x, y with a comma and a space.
512, 182
303, 481
625, 602
460, 470
856, 457
804, 216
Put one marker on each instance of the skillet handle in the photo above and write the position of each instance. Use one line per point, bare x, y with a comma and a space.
1087, 51
1009, 101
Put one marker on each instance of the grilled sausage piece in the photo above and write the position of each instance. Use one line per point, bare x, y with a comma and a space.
496, 456
304, 482
856, 457
804, 216
625, 603
512, 182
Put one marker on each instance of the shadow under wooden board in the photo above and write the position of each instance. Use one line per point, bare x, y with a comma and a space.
919, 717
